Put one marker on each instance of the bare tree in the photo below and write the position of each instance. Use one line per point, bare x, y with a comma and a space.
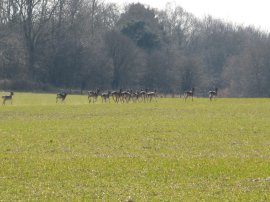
125, 58
34, 16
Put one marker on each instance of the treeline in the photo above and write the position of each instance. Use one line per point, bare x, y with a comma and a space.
89, 44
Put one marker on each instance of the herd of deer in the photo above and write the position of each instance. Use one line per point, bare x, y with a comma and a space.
123, 96
120, 96
117, 96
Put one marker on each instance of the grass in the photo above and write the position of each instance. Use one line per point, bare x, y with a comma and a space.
168, 150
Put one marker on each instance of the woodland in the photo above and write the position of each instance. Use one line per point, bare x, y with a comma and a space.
88, 44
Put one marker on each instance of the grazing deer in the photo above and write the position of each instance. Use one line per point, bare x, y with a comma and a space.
189, 94
212, 94
7, 97
93, 95
61, 96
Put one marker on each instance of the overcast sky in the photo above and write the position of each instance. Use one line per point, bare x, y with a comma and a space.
246, 12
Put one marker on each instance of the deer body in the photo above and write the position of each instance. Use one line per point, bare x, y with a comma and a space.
151, 95
106, 96
61, 96
125, 95
116, 95
7, 97
213, 94
189, 94
143, 94
93, 95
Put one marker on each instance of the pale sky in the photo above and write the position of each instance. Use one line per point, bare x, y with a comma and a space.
246, 12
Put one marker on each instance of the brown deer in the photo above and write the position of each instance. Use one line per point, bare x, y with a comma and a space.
61, 96
93, 95
151, 95
143, 94
212, 94
189, 94
116, 95
105, 97
7, 97
125, 96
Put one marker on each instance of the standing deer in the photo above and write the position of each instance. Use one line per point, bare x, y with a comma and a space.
135, 96
125, 96
105, 96
116, 95
93, 95
61, 96
151, 95
7, 97
189, 94
143, 94
212, 94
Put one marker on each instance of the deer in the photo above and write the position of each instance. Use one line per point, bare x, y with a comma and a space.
116, 95
189, 94
61, 96
93, 95
151, 95
105, 96
135, 96
212, 94
143, 94
126, 95
7, 97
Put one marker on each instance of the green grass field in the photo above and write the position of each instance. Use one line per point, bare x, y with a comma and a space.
168, 150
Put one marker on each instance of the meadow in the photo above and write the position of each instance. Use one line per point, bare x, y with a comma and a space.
169, 150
